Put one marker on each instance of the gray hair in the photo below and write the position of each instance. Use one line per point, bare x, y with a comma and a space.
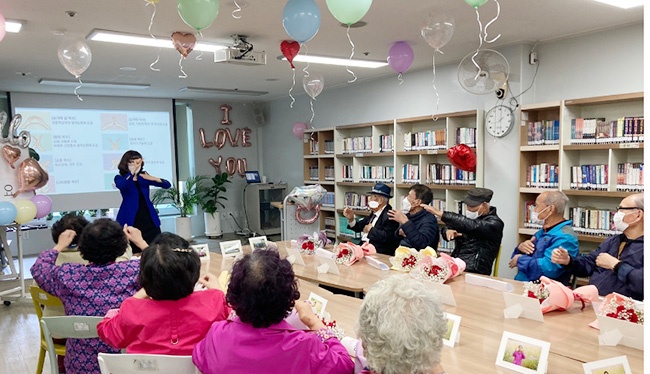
637, 199
401, 325
557, 199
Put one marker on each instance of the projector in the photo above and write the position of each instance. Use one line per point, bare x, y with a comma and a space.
235, 56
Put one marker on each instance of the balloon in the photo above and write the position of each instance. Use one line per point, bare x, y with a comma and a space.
26, 211
301, 20
11, 155
462, 157
298, 129
437, 29
7, 213
198, 14
476, 3
184, 42
226, 109
231, 166
242, 166
43, 205
3, 29
204, 144
216, 164
313, 84
348, 11
75, 56
400, 57
290, 49
31, 176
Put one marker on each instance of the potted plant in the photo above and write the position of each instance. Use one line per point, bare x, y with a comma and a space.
212, 196
183, 198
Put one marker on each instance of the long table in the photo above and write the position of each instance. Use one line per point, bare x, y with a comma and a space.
573, 342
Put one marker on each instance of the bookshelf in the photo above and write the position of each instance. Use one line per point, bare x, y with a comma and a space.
589, 148
318, 168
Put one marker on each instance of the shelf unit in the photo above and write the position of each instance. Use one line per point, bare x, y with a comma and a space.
318, 168
576, 159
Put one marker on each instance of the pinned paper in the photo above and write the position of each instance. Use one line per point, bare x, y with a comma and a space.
489, 283
294, 257
327, 265
376, 263
444, 291
520, 306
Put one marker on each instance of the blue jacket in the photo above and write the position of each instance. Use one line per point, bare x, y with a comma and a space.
130, 198
421, 230
533, 266
627, 281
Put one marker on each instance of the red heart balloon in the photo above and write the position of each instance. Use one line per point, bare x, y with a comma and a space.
462, 157
184, 42
290, 49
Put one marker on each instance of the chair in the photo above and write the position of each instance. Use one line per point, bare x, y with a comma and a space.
42, 299
145, 363
77, 327
495, 267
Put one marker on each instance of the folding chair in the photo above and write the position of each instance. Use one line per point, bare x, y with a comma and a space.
145, 363
77, 327
42, 299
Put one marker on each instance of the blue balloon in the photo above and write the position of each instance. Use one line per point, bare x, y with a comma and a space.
301, 20
8, 213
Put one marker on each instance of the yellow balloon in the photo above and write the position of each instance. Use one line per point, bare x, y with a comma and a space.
26, 211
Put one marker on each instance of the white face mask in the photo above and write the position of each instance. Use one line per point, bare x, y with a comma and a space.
373, 204
619, 225
406, 205
471, 215
534, 217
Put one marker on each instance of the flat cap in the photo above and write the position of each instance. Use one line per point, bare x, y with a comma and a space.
478, 195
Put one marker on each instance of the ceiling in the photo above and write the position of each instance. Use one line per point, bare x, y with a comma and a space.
31, 55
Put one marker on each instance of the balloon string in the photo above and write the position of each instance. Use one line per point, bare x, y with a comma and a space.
293, 84
236, 10
311, 104
76, 88
399, 77
153, 15
180, 65
305, 69
200, 56
480, 41
485, 33
435, 89
354, 77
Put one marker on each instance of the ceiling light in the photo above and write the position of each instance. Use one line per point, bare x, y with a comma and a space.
13, 26
73, 83
624, 4
146, 41
222, 91
313, 59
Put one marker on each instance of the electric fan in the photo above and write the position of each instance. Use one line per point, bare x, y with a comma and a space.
483, 72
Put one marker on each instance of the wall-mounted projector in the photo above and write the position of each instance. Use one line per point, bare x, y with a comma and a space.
240, 53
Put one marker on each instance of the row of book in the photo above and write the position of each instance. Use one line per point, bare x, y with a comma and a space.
448, 174
543, 132
599, 130
346, 173
542, 175
329, 173
328, 199
424, 140
466, 135
377, 173
590, 177
358, 144
630, 176
386, 143
355, 200
330, 227
592, 221
329, 147
313, 173
313, 146
411, 173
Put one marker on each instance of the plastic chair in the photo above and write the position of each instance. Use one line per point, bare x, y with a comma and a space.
145, 363
42, 299
77, 327
495, 267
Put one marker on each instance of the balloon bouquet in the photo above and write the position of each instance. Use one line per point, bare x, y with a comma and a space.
21, 176
307, 199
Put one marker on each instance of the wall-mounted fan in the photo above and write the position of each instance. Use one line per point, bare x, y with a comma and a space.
483, 72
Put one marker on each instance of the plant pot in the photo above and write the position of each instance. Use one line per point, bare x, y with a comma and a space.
212, 225
184, 227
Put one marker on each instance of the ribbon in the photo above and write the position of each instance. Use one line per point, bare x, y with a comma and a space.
562, 297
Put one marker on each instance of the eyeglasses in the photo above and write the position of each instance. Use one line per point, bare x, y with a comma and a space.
627, 208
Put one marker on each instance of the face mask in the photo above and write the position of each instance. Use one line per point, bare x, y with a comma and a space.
471, 215
534, 217
406, 206
373, 204
618, 222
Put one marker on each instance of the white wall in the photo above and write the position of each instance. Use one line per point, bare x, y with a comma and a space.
597, 64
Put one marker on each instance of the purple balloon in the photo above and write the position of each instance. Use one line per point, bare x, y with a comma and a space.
43, 205
298, 129
400, 57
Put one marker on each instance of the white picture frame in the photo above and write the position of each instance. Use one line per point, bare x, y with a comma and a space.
231, 248
318, 304
204, 255
258, 242
453, 324
614, 365
533, 358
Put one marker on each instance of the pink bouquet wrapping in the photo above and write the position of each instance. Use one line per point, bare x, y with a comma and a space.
553, 295
438, 269
349, 253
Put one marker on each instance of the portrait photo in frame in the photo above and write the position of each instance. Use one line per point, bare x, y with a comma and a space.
318, 304
258, 242
452, 334
231, 248
614, 365
523, 354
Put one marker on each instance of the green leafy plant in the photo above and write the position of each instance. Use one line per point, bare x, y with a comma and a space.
184, 201
212, 193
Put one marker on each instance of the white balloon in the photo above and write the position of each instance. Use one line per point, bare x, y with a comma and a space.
313, 84
75, 56
437, 29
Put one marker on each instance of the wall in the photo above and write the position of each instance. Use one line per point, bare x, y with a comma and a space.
596, 64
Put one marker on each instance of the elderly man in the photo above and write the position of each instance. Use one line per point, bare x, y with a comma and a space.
478, 234
533, 257
377, 228
617, 264
418, 228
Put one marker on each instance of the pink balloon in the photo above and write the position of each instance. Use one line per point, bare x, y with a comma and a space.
400, 57
43, 205
298, 129
3, 29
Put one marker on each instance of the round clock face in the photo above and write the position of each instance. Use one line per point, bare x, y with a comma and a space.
499, 121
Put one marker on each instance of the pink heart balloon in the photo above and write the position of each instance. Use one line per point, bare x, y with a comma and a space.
31, 176
11, 154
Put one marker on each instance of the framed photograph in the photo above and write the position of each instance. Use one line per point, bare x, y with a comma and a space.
231, 248
452, 335
318, 304
258, 242
204, 255
523, 354
615, 365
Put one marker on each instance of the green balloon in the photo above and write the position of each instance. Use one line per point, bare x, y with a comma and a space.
349, 11
476, 3
199, 14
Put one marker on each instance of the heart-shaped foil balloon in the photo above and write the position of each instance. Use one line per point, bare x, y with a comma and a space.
184, 42
31, 176
462, 157
11, 155
290, 49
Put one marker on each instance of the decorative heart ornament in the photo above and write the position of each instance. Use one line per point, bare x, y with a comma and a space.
184, 42
290, 49
31, 176
11, 155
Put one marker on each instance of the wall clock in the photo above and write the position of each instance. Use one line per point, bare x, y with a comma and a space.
499, 121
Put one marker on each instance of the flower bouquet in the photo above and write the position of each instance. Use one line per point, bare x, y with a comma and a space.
621, 307
331, 324
308, 244
438, 269
553, 295
348, 253
620, 320
405, 259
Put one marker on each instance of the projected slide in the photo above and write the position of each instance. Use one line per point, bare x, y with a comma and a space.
81, 149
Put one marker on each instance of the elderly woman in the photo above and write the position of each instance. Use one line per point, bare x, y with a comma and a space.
92, 289
401, 327
262, 292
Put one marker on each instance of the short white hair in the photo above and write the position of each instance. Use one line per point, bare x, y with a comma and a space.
401, 325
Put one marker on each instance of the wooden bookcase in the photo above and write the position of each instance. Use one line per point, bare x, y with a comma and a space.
318, 168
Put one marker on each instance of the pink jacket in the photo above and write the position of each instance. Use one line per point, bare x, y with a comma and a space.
234, 347
164, 327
